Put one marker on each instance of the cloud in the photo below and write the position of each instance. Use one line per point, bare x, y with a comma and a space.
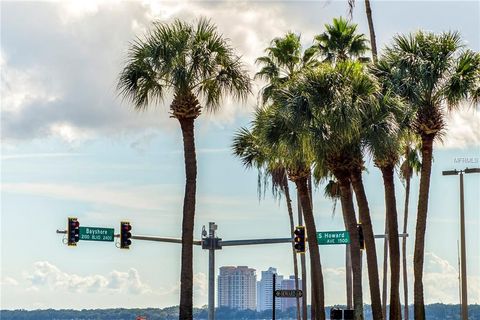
39, 155
67, 89
47, 276
9, 281
150, 197
463, 129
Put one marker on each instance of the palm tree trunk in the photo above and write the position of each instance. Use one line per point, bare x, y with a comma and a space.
302, 263
394, 246
364, 213
385, 270
373, 41
292, 227
317, 287
186, 274
422, 209
351, 224
404, 247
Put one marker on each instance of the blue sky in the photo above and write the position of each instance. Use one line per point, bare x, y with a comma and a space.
71, 147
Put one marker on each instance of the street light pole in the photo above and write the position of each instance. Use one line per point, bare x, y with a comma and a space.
463, 251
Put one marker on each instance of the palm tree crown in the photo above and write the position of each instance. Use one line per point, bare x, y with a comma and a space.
341, 41
283, 60
190, 61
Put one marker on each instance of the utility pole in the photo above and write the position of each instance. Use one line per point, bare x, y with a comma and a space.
211, 271
463, 253
302, 263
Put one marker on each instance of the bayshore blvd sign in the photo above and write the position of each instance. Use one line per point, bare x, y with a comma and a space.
333, 237
96, 234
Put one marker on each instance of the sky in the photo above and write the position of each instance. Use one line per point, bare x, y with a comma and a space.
71, 147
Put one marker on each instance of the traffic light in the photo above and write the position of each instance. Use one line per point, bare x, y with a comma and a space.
73, 231
361, 239
299, 239
125, 235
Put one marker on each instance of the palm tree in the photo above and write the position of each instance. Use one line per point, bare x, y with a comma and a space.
371, 29
386, 127
284, 60
247, 147
337, 96
411, 164
197, 65
338, 43
282, 129
434, 75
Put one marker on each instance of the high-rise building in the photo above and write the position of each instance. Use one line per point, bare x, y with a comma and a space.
265, 293
264, 290
289, 284
236, 287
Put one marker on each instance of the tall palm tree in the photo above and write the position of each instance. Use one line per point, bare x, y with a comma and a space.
338, 43
411, 164
338, 96
386, 126
434, 74
247, 147
282, 129
371, 29
284, 60
197, 65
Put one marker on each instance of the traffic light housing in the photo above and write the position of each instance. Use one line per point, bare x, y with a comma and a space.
125, 235
73, 231
299, 239
361, 239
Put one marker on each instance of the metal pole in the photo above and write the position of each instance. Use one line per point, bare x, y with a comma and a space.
211, 271
273, 295
303, 264
348, 277
463, 252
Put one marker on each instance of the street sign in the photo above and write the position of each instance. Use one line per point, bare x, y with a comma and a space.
333, 237
288, 293
96, 234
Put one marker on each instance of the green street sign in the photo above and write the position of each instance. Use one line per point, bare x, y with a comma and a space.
333, 237
96, 234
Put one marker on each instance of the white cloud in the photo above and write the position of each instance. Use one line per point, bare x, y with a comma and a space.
67, 89
47, 276
39, 155
20, 88
463, 128
142, 197
9, 281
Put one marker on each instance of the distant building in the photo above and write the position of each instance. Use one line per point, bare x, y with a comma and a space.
289, 284
236, 287
265, 293
264, 290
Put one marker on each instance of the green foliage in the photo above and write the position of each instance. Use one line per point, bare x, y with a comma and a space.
182, 58
282, 62
340, 41
432, 72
